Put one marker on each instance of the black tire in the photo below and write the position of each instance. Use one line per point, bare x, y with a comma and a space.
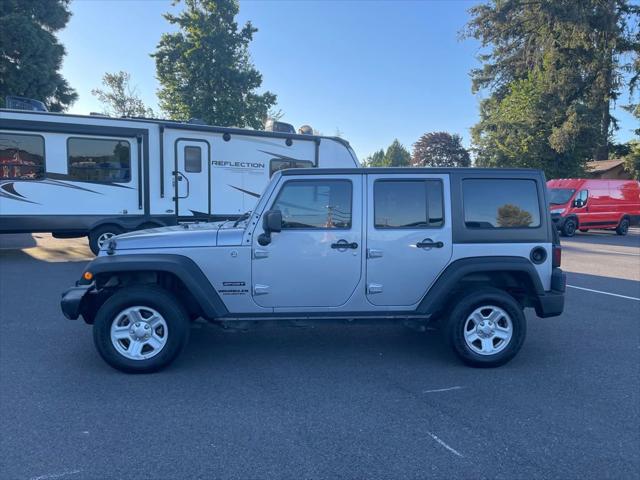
96, 233
486, 296
569, 228
159, 299
623, 227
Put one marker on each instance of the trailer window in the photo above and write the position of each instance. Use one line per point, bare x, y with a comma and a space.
500, 203
315, 204
193, 159
99, 160
408, 204
21, 157
278, 164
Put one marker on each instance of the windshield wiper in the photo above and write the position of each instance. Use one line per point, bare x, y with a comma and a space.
242, 218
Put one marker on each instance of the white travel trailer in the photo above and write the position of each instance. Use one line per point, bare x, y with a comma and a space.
98, 176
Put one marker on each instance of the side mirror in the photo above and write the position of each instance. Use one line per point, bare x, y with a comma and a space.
271, 222
578, 203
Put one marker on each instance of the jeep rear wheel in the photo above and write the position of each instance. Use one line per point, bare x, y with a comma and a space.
487, 328
140, 329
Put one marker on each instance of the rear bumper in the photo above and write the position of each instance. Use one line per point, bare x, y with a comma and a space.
551, 304
71, 301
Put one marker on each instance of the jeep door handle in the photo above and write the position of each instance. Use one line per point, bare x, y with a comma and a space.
428, 243
343, 245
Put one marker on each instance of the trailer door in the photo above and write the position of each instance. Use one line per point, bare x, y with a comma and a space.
192, 179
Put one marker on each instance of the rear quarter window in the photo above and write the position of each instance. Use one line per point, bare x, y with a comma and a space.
500, 203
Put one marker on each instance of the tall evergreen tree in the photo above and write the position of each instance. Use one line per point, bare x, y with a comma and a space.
397, 156
204, 68
376, 159
552, 68
30, 54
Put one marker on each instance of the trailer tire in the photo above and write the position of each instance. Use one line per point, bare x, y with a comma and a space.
99, 235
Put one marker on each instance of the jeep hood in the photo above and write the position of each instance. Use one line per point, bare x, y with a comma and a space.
180, 236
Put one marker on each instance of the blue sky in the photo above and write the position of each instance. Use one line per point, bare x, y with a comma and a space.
375, 70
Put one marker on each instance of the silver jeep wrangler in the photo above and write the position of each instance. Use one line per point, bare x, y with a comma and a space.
471, 248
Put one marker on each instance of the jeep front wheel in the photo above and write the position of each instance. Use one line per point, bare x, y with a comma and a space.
487, 328
140, 329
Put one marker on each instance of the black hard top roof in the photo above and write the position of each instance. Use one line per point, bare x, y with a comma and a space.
407, 170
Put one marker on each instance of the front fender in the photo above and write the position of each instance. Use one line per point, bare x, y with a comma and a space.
182, 267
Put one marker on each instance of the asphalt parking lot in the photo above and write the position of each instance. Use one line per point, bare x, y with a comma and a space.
337, 402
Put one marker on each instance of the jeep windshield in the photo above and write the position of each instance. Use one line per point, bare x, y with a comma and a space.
560, 196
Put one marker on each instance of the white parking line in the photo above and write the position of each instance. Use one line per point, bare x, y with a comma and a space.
617, 253
56, 475
437, 390
452, 450
605, 293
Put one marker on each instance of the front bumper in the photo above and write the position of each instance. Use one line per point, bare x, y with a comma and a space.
71, 302
558, 220
551, 304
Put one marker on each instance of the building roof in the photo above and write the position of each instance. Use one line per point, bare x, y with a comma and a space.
600, 166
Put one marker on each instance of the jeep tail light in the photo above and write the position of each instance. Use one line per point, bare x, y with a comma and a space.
557, 255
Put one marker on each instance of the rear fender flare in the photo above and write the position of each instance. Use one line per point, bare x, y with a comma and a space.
437, 296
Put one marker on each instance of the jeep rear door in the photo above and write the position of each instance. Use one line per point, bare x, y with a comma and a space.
408, 236
316, 260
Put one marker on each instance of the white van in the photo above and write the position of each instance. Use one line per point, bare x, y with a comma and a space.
76, 175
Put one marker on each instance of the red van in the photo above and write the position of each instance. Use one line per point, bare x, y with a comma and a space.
579, 203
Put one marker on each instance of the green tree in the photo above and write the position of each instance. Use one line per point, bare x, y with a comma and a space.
120, 99
376, 159
440, 149
554, 68
397, 156
204, 68
510, 216
30, 54
632, 160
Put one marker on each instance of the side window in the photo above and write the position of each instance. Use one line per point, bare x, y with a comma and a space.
193, 159
315, 204
21, 157
99, 160
583, 195
277, 164
500, 203
408, 204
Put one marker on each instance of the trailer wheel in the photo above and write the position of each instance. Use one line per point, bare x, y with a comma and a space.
100, 235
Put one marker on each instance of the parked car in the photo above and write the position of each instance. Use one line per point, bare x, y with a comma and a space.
582, 204
471, 248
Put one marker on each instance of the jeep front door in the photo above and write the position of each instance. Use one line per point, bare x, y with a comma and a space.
408, 236
315, 261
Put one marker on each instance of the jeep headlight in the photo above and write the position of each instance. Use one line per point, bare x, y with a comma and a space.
559, 211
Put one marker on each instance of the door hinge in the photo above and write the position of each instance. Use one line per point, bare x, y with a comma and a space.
374, 288
260, 289
257, 253
373, 253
